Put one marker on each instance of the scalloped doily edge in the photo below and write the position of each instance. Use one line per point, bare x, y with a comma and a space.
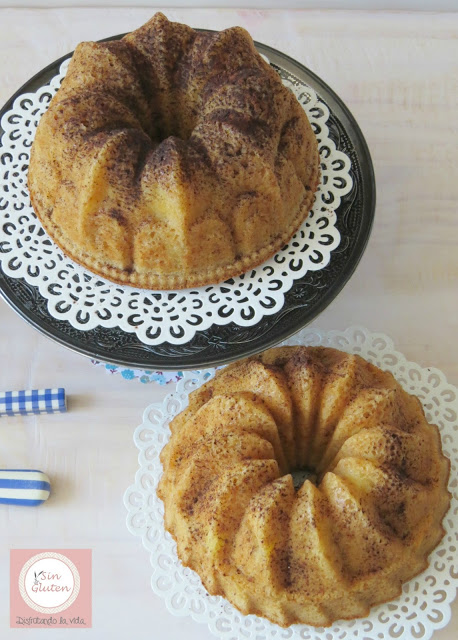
324, 338
72, 312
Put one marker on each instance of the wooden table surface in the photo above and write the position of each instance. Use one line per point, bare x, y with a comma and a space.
398, 74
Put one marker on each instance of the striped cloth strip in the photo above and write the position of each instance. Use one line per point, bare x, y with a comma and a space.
32, 401
27, 487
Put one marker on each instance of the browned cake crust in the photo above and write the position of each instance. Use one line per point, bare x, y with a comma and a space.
172, 158
345, 540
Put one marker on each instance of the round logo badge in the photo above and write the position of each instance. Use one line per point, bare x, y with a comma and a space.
49, 582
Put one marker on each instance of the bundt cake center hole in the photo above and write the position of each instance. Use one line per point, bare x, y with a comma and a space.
164, 134
301, 475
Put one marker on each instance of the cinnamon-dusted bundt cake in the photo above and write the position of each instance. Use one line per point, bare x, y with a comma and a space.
172, 158
361, 524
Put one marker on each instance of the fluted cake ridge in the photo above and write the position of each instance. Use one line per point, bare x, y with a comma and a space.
333, 547
172, 158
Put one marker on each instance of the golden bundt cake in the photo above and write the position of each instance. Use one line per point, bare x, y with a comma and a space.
172, 158
362, 522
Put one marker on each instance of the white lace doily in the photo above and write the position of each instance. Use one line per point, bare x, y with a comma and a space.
424, 605
87, 301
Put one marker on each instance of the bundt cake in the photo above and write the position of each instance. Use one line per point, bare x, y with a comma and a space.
172, 158
325, 548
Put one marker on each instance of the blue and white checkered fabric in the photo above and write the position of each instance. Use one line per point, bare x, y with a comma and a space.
32, 401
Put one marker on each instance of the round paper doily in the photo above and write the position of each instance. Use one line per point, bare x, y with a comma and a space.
424, 605
87, 301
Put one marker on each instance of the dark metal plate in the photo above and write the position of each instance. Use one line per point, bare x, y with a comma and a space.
308, 297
